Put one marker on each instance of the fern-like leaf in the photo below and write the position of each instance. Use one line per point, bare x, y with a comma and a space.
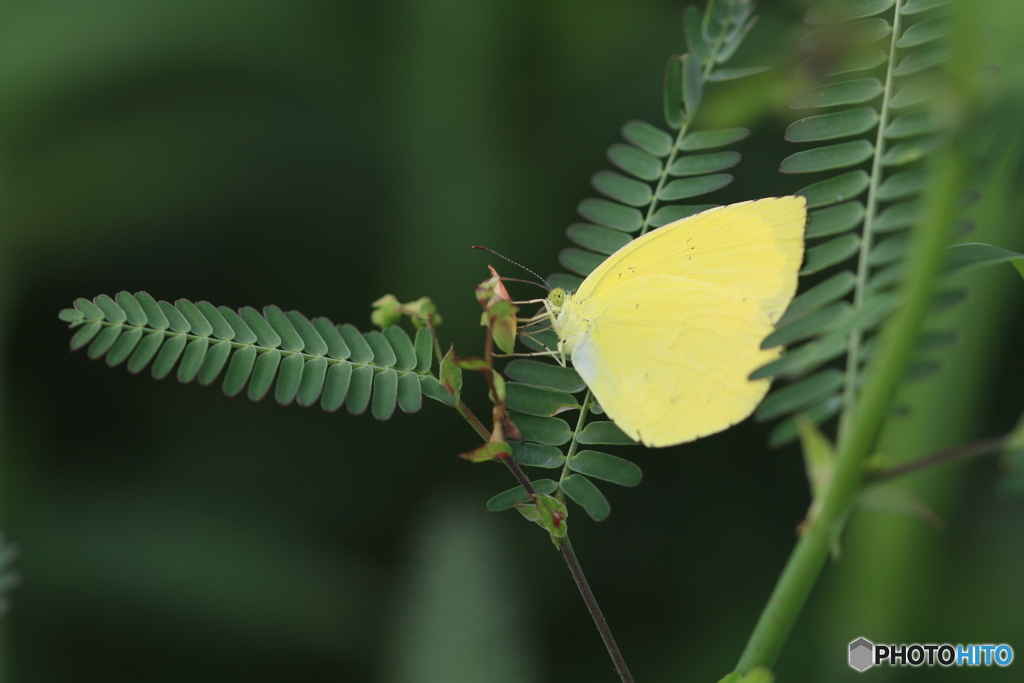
305, 361
880, 63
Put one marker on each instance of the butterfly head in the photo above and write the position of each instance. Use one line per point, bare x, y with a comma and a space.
556, 297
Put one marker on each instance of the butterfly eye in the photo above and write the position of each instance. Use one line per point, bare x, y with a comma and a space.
557, 297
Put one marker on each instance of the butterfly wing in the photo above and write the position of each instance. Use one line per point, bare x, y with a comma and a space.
752, 251
668, 359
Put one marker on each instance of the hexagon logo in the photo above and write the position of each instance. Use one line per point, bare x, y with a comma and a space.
862, 653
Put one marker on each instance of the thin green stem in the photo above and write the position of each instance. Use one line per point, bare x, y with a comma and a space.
853, 346
588, 401
683, 129
473, 420
965, 451
524, 481
664, 177
595, 610
898, 339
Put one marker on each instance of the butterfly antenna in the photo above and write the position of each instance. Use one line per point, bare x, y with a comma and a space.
546, 285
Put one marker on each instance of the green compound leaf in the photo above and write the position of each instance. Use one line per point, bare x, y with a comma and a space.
538, 401
111, 311
827, 158
197, 322
673, 92
219, 326
648, 138
917, 6
302, 361
103, 342
385, 393
579, 260
671, 214
132, 310
835, 219
124, 346
312, 342
834, 190
506, 499
610, 214
694, 187
822, 294
693, 83
712, 138
582, 491
838, 124
537, 455
596, 238
289, 377
85, 334
605, 466
604, 433
910, 125
383, 354
858, 59
169, 355
548, 375
175, 319
242, 333
635, 162
360, 389
88, 309
216, 358
963, 257
193, 358
925, 58
311, 386
901, 185
898, 216
700, 164
621, 188
800, 394
835, 11
806, 326
837, 94
551, 431
830, 253
263, 374
855, 33
910, 151
734, 74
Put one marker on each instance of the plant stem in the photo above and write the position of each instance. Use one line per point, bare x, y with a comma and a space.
595, 610
473, 420
992, 444
853, 355
524, 480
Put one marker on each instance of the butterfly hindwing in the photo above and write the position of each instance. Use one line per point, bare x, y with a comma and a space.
668, 360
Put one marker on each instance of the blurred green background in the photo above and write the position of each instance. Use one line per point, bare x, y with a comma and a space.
316, 155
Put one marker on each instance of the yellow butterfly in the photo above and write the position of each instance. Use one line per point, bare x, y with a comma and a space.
666, 331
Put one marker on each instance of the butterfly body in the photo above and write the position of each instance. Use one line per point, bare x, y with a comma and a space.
666, 331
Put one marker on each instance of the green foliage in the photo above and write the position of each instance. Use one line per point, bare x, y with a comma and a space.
657, 173
890, 67
306, 361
